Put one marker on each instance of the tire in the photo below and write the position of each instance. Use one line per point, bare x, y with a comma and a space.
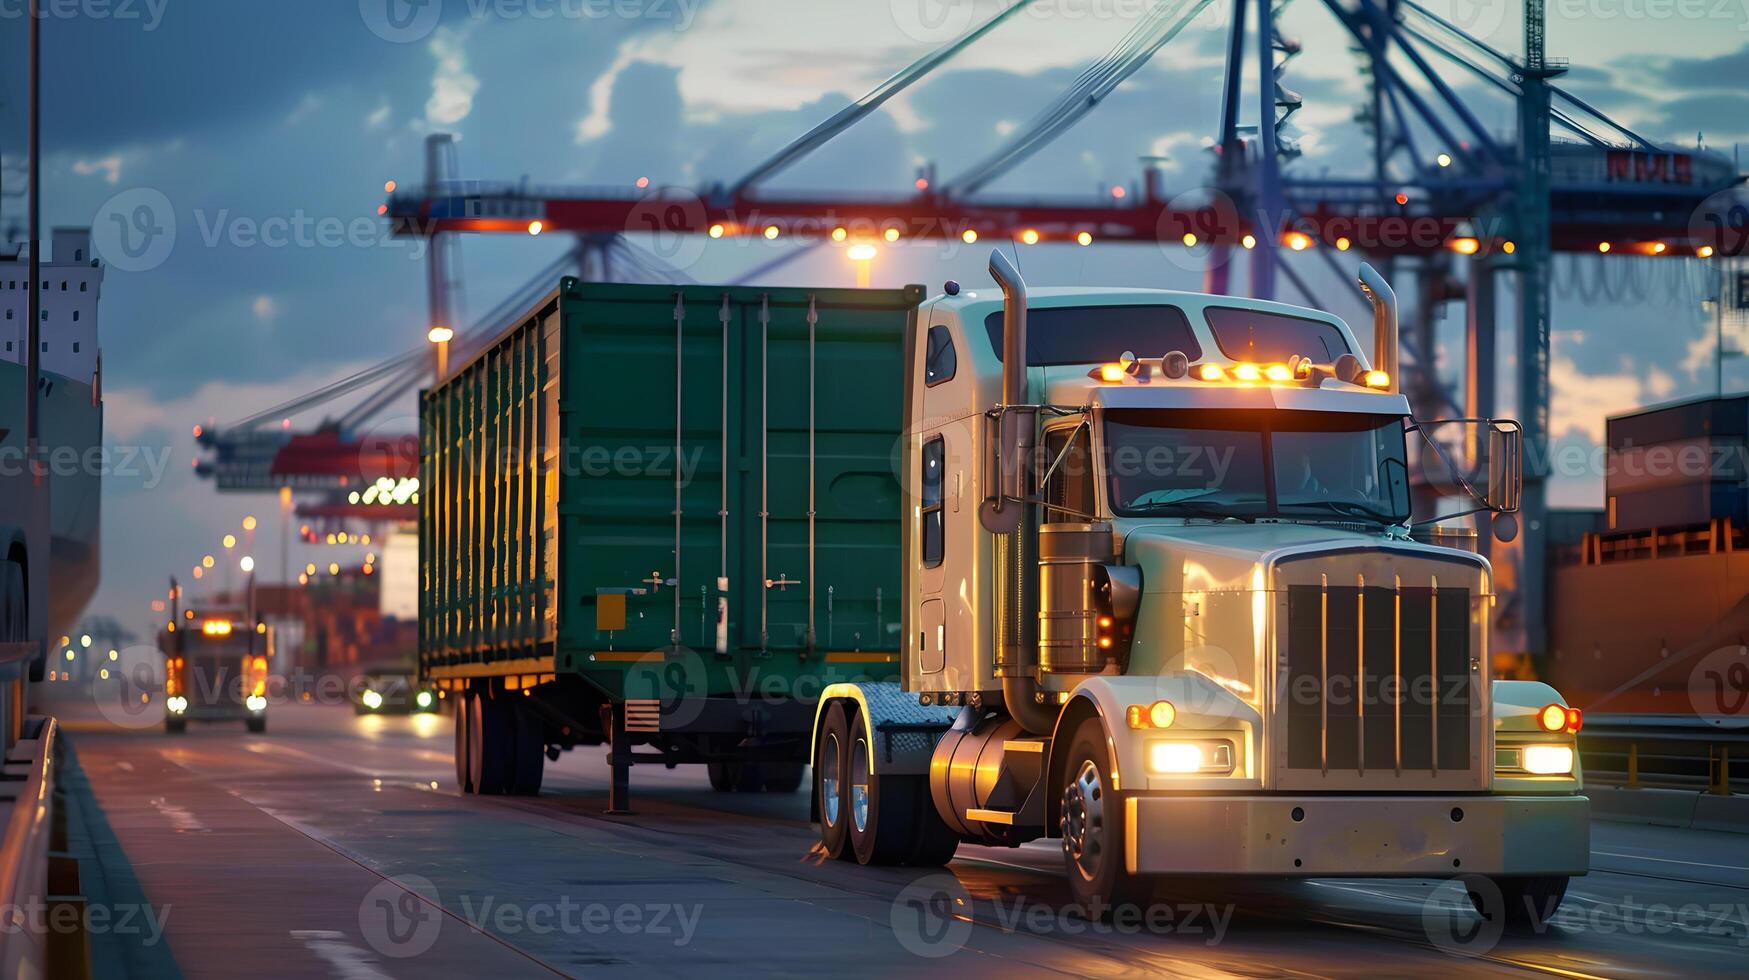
175, 726
831, 753
883, 809
936, 841
1528, 903
491, 745
725, 777
464, 780
255, 725
15, 615
531, 751
1093, 830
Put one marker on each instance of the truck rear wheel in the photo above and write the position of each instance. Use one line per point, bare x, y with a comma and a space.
491, 745
829, 789
531, 751
464, 781
883, 814
1093, 829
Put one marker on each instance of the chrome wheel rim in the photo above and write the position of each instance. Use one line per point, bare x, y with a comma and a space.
859, 785
830, 799
1084, 820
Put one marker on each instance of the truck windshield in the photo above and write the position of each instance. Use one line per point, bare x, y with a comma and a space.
1252, 464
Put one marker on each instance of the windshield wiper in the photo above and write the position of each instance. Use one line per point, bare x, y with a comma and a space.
1346, 508
1187, 508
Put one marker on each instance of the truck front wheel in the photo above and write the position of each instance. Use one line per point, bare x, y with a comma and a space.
1093, 829
830, 753
1526, 903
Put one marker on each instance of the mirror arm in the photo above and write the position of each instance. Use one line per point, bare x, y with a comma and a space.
1456, 474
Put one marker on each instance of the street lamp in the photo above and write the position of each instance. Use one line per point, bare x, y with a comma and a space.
440, 336
863, 255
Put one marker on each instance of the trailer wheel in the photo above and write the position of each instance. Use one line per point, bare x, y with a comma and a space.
531, 751
464, 780
491, 745
883, 809
725, 777
1093, 829
829, 784
1527, 903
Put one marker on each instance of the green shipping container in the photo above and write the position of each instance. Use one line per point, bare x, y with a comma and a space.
568, 527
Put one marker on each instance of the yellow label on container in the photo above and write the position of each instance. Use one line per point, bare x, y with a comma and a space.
610, 611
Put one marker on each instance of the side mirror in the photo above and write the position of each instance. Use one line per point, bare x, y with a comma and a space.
1505, 465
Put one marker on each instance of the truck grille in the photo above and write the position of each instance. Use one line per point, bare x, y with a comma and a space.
1378, 678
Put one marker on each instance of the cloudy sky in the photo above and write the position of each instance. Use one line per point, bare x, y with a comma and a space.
250, 114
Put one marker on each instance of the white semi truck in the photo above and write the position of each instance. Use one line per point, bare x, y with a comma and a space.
1165, 601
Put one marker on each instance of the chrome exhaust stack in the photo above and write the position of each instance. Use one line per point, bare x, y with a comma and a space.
1006, 514
1384, 322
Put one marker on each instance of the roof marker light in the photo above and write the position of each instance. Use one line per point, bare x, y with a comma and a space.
1247, 372
1379, 380
1212, 372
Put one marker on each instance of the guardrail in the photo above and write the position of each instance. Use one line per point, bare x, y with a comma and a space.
1664, 752
42, 914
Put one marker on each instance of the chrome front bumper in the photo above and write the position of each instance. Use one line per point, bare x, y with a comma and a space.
1359, 836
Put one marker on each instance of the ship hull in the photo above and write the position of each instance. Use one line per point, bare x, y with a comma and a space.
71, 443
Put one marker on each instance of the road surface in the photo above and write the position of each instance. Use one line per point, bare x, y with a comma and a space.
336, 845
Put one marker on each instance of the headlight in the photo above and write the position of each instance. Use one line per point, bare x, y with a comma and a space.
1209, 756
423, 699
177, 704
1547, 760
372, 700
255, 702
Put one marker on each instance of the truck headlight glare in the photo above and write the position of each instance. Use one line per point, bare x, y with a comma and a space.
423, 699
255, 702
1547, 760
372, 700
1183, 757
176, 704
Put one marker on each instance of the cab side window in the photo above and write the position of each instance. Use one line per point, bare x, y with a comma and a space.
934, 462
940, 361
1068, 494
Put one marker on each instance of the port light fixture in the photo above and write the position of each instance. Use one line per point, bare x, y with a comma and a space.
440, 335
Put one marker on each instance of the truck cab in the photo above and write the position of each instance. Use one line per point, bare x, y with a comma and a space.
215, 668
1169, 602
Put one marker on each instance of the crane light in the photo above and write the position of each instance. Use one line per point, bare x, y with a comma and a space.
1465, 246
536, 227
1084, 238
771, 232
440, 335
1705, 251
1343, 244
1298, 241
1189, 240
1603, 246
970, 237
1029, 236
717, 230
862, 253
891, 234
1249, 241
